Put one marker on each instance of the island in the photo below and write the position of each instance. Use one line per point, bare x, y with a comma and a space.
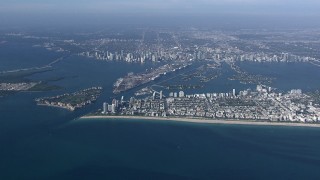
23, 86
246, 78
15, 81
72, 101
133, 80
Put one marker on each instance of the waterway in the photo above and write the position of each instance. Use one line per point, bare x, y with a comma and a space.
48, 143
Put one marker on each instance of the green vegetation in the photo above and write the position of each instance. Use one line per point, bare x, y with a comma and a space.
19, 76
74, 100
237, 102
43, 86
78, 97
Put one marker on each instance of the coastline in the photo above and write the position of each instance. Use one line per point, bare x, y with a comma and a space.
55, 106
206, 121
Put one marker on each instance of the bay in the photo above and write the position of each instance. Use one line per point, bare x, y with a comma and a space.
49, 143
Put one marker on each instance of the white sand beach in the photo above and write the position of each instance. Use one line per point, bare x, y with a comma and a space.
207, 121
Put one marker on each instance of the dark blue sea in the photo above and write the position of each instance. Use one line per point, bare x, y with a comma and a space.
49, 143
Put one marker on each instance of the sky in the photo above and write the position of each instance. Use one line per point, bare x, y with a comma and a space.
71, 12
259, 7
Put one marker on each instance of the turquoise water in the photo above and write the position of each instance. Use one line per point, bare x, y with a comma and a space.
47, 143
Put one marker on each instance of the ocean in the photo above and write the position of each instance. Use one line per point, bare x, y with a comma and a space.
48, 143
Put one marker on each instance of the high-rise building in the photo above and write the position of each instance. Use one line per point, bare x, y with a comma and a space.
199, 56
154, 95
115, 103
105, 108
285, 56
153, 58
131, 101
109, 107
122, 54
111, 56
181, 94
113, 108
175, 94
233, 92
259, 88
161, 95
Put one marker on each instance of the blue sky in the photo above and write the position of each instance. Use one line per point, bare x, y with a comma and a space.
263, 7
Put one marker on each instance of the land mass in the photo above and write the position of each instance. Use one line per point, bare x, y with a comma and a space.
263, 104
133, 80
72, 101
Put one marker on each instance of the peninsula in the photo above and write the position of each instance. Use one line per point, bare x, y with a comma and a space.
262, 106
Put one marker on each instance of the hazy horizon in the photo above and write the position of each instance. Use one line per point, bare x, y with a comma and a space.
238, 13
267, 7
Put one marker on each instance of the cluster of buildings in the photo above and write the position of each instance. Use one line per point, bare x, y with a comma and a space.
175, 54
262, 104
112, 108
182, 45
133, 80
16, 86
186, 46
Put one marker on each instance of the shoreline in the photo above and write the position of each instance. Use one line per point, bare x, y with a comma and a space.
206, 121
56, 106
